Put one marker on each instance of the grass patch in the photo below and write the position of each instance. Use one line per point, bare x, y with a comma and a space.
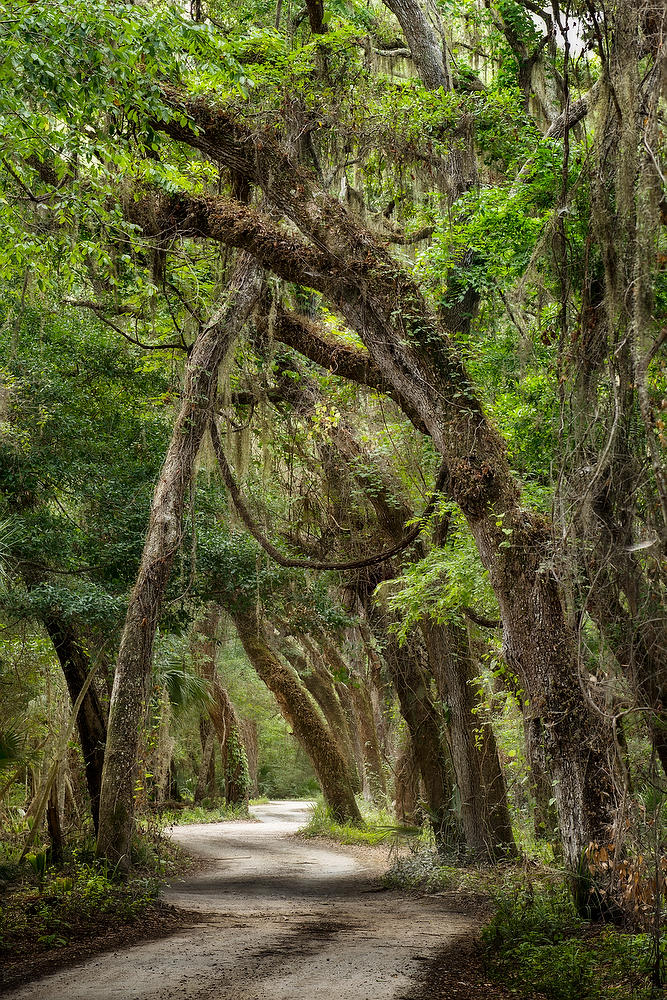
179, 815
377, 827
424, 871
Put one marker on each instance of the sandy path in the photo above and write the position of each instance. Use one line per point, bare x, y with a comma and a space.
288, 920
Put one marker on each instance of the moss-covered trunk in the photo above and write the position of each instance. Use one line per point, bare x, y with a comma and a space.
300, 711
163, 540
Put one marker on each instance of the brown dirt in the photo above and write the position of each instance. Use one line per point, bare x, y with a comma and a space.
276, 917
26, 965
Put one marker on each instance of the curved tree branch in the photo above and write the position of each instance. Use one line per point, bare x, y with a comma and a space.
286, 561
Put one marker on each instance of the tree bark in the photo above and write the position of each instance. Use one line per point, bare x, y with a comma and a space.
319, 682
90, 721
221, 711
203, 787
370, 746
162, 542
300, 712
429, 53
425, 726
406, 783
484, 812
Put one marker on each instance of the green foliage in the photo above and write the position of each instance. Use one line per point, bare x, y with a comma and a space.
204, 813
48, 907
537, 944
11, 747
378, 827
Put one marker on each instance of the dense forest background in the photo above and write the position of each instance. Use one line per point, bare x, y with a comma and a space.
332, 426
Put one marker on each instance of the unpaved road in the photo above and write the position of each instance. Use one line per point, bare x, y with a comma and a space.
287, 920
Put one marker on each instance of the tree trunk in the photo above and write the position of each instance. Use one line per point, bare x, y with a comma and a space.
428, 51
545, 818
250, 741
221, 711
368, 738
163, 539
426, 728
203, 787
317, 679
300, 712
90, 721
406, 783
480, 781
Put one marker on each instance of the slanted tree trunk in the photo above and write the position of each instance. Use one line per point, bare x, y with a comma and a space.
370, 748
163, 539
428, 51
300, 712
317, 679
221, 710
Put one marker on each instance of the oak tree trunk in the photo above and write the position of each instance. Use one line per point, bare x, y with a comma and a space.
300, 712
163, 540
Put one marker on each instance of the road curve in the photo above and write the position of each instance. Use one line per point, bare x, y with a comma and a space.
286, 920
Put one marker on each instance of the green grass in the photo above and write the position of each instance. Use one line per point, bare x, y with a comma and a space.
378, 827
203, 813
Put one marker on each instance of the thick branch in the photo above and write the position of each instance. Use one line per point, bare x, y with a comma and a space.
286, 561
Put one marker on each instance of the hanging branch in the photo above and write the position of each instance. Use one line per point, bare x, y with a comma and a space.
286, 561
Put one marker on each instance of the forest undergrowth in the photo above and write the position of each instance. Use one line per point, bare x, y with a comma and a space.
56, 910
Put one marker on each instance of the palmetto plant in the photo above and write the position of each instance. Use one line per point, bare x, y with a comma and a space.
12, 747
184, 688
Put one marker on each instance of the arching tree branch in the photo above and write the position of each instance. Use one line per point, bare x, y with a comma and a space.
288, 562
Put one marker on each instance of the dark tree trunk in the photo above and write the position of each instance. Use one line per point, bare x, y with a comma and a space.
163, 540
545, 819
484, 812
91, 721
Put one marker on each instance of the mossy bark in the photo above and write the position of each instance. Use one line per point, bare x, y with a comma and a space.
482, 792
221, 711
300, 711
163, 540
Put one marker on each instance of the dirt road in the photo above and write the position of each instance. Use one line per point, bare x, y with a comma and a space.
287, 920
